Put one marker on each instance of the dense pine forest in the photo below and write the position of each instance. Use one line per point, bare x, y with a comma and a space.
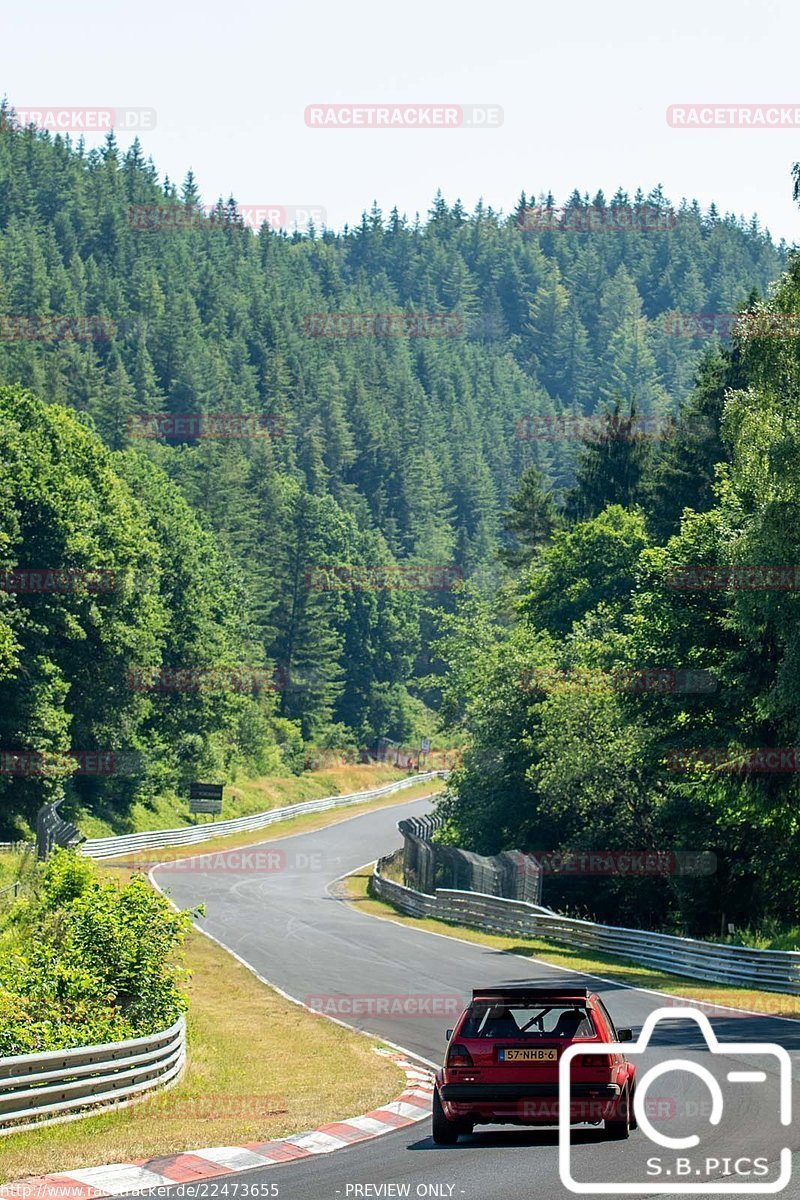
356, 455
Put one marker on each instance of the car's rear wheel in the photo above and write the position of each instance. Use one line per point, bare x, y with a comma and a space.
445, 1132
620, 1129
632, 1122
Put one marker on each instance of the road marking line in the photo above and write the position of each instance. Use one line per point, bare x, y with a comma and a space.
389, 1118
235, 1158
118, 1178
319, 1143
344, 1129
369, 1124
278, 1152
181, 1168
406, 1110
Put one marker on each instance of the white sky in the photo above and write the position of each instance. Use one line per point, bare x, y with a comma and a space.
584, 86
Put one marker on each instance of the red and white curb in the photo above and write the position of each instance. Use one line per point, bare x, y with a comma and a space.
414, 1105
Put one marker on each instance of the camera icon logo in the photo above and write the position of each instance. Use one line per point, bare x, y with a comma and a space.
684, 1177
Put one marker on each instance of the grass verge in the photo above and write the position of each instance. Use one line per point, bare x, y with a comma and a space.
243, 796
15, 866
10, 868
355, 887
259, 1067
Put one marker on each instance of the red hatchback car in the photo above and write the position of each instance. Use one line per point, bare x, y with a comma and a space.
502, 1059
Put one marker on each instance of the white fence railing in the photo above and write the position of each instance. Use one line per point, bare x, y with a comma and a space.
188, 835
771, 970
63, 1085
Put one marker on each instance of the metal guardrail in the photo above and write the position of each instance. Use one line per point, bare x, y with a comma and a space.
12, 887
770, 970
188, 835
64, 1085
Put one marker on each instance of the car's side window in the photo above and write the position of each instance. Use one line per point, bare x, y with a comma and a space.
607, 1018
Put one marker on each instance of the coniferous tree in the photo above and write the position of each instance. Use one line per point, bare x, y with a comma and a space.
683, 469
612, 462
530, 521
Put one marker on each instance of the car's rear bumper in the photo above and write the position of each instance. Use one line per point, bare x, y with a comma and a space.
478, 1092
529, 1104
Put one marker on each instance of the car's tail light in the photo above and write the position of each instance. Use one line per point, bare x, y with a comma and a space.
459, 1056
599, 1062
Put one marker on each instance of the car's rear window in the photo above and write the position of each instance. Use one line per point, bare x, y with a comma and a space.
527, 1021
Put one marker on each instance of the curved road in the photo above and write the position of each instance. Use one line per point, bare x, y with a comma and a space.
280, 915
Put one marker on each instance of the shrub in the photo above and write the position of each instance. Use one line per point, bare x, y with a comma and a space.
91, 962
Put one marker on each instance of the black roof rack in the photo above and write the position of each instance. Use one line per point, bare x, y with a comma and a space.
534, 990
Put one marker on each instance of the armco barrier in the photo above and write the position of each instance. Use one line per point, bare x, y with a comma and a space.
63, 1085
188, 835
770, 970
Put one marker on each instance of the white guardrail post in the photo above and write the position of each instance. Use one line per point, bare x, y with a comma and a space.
189, 835
64, 1085
768, 970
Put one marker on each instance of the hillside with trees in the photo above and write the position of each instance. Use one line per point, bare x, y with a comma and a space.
369, 453
634, 685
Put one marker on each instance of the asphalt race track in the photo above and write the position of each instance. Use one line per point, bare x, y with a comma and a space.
283, 919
